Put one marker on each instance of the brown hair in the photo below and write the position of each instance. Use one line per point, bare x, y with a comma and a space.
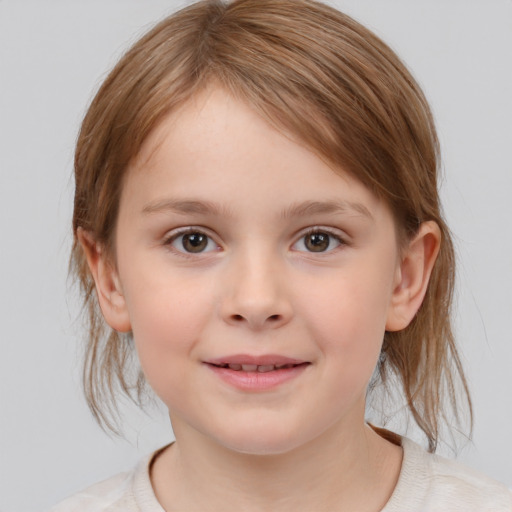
314, 72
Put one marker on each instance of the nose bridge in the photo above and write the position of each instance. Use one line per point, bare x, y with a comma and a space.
256, 293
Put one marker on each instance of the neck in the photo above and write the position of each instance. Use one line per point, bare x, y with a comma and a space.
354, 469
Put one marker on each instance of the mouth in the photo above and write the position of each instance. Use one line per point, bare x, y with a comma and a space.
257, 373
260, 368
261, 364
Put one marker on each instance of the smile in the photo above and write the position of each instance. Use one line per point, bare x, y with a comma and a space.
260, 373
263, 368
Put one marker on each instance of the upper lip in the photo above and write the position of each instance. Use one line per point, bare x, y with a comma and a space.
262, 360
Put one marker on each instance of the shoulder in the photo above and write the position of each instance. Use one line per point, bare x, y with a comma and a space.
130, 491
102, 496
474, 491
433, 483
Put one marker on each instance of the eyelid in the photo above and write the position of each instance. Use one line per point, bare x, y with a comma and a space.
335, 233
174, 234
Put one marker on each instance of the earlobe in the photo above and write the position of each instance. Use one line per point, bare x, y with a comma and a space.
413, 275
108, 287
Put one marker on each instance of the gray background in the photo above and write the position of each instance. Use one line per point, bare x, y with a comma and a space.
53, 54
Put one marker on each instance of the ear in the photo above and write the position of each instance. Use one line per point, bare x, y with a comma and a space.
108, 287
413, 275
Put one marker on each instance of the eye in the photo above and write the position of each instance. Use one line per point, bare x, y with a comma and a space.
318, 241
191, 241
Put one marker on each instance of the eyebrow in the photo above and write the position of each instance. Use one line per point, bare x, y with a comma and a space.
295, 210
326, 207
185, 207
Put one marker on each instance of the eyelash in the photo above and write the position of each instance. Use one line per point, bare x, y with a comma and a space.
323, 231
169, 240
176, 235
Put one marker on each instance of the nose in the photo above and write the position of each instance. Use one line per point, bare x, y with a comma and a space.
255, 294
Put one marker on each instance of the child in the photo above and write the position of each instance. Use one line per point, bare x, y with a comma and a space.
257, 215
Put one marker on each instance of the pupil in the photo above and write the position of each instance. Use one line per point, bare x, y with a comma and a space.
195, 242
317, 242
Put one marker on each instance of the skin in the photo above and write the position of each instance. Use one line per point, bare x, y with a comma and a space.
258, 288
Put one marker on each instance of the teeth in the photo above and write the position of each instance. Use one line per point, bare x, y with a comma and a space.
262, 368
266, 368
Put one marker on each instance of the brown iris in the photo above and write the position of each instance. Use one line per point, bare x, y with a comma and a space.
317, 242
194, 242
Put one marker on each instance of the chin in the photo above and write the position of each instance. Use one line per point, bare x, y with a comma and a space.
261, 447
260, 441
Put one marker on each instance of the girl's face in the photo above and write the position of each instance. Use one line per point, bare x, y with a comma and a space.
236, 245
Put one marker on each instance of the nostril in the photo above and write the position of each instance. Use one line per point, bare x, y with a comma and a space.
256, 320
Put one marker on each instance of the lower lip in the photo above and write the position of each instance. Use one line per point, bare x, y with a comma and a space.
258, 381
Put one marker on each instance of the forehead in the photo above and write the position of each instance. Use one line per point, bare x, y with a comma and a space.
217, 147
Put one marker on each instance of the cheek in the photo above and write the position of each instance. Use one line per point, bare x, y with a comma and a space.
348, 318
167, 317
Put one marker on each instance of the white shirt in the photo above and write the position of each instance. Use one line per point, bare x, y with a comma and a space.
427, 483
